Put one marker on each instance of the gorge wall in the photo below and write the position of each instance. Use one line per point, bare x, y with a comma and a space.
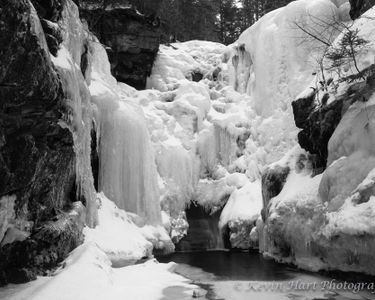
42, 203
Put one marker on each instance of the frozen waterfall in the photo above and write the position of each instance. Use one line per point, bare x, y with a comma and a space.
127, 170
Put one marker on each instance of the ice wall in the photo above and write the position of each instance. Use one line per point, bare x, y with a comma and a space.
127, 168
75, 86
127, 172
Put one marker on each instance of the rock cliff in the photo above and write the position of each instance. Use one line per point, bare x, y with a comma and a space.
42, 210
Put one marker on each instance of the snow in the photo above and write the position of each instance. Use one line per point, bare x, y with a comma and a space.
243, 204
178, 61
212, 194
87, 274
117, 236
354, 133
99, 268
352, 219
341, 178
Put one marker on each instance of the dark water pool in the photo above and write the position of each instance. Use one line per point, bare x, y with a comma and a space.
246, 276
228, 265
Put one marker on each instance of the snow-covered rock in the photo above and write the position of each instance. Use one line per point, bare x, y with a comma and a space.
117, 236
326, 221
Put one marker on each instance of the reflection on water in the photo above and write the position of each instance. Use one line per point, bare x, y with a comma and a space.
247, 276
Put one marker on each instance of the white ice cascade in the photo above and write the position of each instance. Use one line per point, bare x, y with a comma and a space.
274, 59
76, 90
127, 171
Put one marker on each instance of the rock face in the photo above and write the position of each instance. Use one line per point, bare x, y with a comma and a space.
132, 39
358, 7
44, 221
318, 125
318, 122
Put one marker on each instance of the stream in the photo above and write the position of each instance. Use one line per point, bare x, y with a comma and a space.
224, 275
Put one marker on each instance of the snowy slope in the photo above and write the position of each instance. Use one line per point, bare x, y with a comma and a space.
87, 274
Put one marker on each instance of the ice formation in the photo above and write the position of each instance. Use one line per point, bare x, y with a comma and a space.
237, 118
79, 122
249, 123
127, 171
199, 129
274, 59
128, 174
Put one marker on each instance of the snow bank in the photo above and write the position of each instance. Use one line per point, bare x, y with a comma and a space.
87, 274
244, 204
117, 236
352, 219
